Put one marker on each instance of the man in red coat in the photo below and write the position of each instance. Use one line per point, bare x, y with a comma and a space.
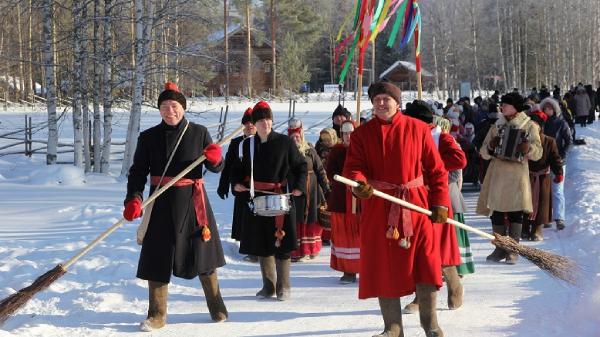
454, 159
399, 253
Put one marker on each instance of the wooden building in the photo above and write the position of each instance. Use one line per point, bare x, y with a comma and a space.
261, 63
404, 74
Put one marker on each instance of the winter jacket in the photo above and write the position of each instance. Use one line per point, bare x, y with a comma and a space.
582, 104
557, 128
506, 185
550, 159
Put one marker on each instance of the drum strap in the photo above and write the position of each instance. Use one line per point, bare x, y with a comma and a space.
252, 168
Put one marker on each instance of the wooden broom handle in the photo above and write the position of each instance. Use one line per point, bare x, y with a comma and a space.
151, 198
414, 207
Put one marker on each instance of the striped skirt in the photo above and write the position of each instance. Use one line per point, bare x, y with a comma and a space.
309, 240
345, 242
466, 256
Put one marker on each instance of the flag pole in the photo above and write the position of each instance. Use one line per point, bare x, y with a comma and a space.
418, 62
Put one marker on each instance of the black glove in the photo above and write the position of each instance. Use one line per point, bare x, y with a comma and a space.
439, 214
223, 193
363, 190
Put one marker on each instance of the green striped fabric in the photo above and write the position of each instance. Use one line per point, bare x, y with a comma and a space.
467, 266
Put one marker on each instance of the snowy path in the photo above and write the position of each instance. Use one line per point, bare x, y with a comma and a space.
101, 297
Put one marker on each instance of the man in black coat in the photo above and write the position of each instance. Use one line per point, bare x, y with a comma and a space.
181, 237
270, 162
233, 152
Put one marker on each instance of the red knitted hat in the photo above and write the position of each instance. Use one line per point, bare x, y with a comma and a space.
172, 92
247, 116
260, 111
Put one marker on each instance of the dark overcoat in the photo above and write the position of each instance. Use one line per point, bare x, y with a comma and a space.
277, 160
241, 199
307, 205
550, 159
173, 244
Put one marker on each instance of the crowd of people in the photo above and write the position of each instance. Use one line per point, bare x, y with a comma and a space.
287, 204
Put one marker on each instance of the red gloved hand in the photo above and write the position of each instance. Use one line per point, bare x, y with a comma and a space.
213, 153
559, 179
133, 209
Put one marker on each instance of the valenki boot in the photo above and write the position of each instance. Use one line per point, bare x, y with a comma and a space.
214, 300
157, 306
392, 317
515, 234
455, 288
267, 269
412, 307
283, 279
537, 234
498, 254
427, 294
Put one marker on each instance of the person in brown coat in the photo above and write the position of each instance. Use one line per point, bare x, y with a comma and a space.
540, 178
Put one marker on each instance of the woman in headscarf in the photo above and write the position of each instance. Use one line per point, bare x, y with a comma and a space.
307, 205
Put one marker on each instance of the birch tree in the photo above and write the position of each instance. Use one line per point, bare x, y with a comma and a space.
107, 85
48, 51
143, 27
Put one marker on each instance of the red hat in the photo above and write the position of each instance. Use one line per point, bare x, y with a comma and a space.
260, 111
172, 92
539, 117
247, 116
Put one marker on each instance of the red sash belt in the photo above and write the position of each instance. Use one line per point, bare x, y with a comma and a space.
400, 191
197, 195
535, 178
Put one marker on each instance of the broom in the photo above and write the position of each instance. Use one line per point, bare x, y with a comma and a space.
14, 302
555, 265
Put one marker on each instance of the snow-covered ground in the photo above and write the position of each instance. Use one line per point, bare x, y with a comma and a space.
47, 214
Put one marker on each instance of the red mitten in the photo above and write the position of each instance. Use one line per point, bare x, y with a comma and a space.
559, 179
133, 209
213, 153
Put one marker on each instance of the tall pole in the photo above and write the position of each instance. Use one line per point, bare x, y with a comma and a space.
249, 56
418, 62
373, 61
273, 47
225, 15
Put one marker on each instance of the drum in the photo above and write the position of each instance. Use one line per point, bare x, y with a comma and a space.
510, 138
271, 205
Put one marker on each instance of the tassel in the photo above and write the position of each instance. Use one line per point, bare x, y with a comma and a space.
279, 233
205, 233
390, 233
396, 234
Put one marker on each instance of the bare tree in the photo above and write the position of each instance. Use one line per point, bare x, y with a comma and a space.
143, 27
48, 50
